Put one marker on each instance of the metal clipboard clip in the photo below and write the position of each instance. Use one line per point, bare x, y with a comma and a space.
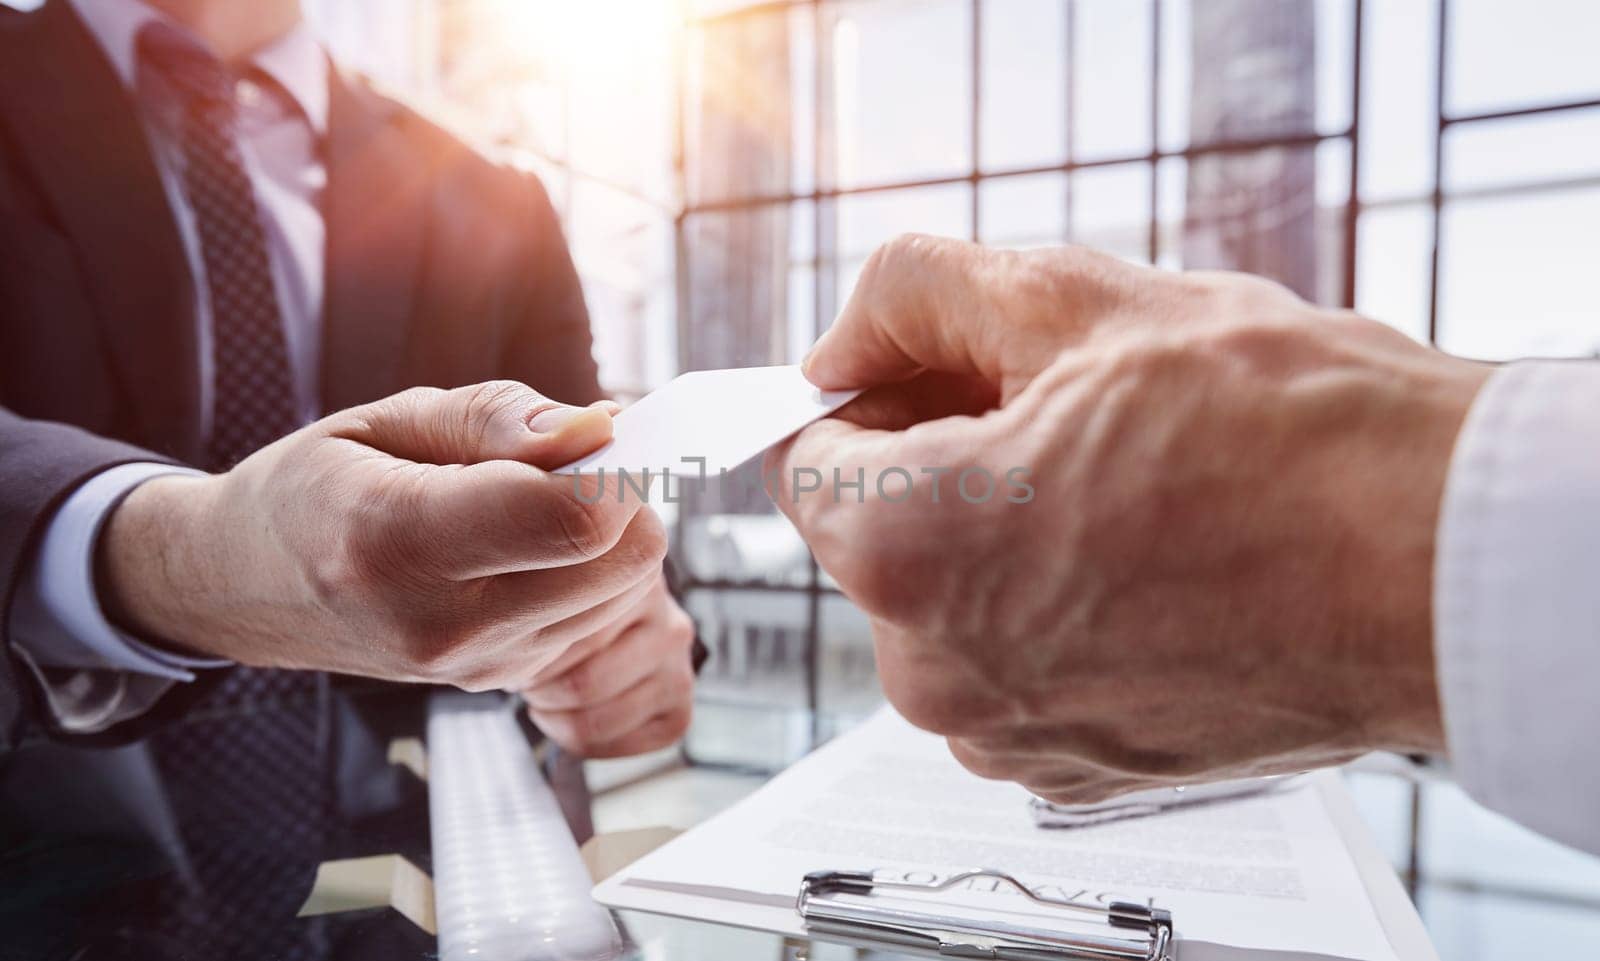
1149, 930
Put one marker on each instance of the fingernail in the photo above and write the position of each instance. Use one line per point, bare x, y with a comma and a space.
549, 421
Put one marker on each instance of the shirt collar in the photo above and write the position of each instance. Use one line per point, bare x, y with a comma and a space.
295, 61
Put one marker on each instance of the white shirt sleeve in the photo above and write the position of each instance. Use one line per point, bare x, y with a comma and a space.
93, 674
1517, 599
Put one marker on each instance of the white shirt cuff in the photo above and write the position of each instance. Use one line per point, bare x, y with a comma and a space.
1517, 599
93, 673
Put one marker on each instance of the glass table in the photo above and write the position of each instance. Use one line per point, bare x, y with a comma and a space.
110, 853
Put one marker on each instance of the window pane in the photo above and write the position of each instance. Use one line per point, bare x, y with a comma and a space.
1177, 80
1257, 212
1111, 209
1111, 79
867, 220
1517, 276
1394, 255
1513, 54
1496, 152
1172, 184
902, 90
1024, 109
1397, 91
738, 277
1279, 27
1335, 53
748, 124
621, 106
623, 250
1332, 191
1028, 211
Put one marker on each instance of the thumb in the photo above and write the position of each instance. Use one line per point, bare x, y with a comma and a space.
933, 303
921, 303
496, 420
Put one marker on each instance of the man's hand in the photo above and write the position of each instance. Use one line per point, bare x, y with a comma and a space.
625, 690
1218, 559
415, 539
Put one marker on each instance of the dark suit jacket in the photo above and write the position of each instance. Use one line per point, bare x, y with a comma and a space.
442, 269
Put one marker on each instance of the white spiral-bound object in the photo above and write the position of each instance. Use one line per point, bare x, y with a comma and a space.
509, 884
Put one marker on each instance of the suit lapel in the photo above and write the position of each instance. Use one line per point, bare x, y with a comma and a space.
376, 208
79, 134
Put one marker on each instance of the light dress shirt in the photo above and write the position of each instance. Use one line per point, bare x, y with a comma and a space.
93, 674
1517, 599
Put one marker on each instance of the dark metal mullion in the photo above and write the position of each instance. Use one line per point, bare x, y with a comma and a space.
680, 257
1436, 198
1511, 113
680, 238
1069, 154
1352, 204
814, 573
1241, 145
1413, 876
1153, 237
975, 122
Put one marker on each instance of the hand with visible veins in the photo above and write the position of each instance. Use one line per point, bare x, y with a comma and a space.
418, 538
1224, 565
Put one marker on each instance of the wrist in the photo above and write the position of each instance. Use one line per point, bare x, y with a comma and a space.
151, 570
1411, 716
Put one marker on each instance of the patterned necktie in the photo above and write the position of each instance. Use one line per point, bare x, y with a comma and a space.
246, 769
253, 395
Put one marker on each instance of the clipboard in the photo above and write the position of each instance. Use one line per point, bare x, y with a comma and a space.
1133, 932
743, 867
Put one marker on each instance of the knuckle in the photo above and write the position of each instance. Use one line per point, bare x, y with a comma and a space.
897, 254
680, 628
980, 762
340, 573
492, 396
585, 529
482, 403
675, 724
874, 578
681, 685
646, 540
927, 708
579, 684
438, 646
584, 730
412, 399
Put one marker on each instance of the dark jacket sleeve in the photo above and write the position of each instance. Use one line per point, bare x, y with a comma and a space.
40, 464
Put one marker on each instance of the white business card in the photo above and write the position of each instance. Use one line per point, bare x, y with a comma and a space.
707, 421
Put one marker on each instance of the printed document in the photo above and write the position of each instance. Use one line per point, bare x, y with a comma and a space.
1269, 876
